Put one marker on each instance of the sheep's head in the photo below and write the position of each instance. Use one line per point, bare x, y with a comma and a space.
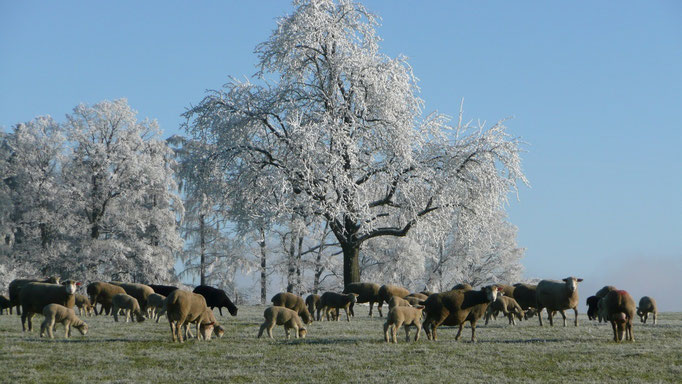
572, 283
206, 330
302, 332
520, 314
71, 286
218, 330
83, 328
491, 292
530, 312
305, 316
353, 297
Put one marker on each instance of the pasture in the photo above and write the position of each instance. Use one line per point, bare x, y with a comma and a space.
341, 352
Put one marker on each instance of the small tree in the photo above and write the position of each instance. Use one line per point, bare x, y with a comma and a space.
336, 131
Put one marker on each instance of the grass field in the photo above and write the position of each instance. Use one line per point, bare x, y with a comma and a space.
341, 352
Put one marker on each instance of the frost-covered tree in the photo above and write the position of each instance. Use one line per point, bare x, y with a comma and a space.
334, 129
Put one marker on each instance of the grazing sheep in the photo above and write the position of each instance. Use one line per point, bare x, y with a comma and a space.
312, 302
163, 290
282, 316
618, 307
293, 302
455, 308
205, 325
367, 293
592, 303
558, 296
16, 284
396, 301
507, 305
35, 296
139, 291
84, 305
55, 313
129, 305
333, 300
183, 307
388, 291
647, 304
216, 298
103, 293
398, 316
463, 287
5, 304
154, 304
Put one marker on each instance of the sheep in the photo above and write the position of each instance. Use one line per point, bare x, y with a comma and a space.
55, 313
593, 303
418, 295
506, 289
216, 298
129, 305
462, 287
525, 295
293, 302
183, 307
558, 296
396, 301
16, 284
455, 308
333, 300
388, 291
618, 307
506, 305
84, 305
139, 291
604, 291
205, 324
155, 303
103, 293
406, 316
312, 302
34, 296
5, 304
163, 290
367, 293
647, 304
282, 316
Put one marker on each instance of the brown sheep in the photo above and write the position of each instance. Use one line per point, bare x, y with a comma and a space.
183, 307
282, 316
388, 291
508, 306
399, 316
103, 293
154, 305
16, 284
35, 296
618, 307
129, 305
204, 330
647, 304
139, 291
593, 303
558, 296
55, 313
367, 293
84, 305
312, 302
332, 300
294, 302
455, 308
398, 302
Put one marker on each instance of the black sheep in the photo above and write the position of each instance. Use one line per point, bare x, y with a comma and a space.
216, 298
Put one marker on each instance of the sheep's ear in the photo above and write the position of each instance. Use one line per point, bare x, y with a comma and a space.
78, 283
579, 280
420, 307
566, 279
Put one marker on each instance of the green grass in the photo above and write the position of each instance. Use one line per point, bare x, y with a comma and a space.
341, 352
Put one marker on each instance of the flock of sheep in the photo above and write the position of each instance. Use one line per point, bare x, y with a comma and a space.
56, 302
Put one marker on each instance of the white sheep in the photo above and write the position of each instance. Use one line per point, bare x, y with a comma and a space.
558, 296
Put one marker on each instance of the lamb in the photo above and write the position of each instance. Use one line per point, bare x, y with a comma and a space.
55, 313
183, 307
618, 307
5, 304
293, 302
154, 304
129, 305
455, 308
16, 284
388, 291
282, 316
139, 291
406, 316
333, 300
508, 306
103, 293
418, 295
558, 296
398, 302
204, 330
312, 302
34, 296
216, 298
367, 293
462, 287
84, 305
163, 290
647, 304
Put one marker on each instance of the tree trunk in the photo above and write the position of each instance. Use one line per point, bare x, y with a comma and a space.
299, 272
351, 263
291, 265
202, 247
263, 275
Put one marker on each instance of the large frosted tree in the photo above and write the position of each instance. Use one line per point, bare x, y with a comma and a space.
334, 129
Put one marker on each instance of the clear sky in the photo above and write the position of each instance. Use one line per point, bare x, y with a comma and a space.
595, 88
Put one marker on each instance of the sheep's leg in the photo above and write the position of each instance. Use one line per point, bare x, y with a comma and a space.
394, 331
262, 328
473, 331
655, 315
563, 314
29, 318
459, 333
379, 309
115, 314
386, 326
347, 315
172, 328
645, 317
576, 316
539, 313
629, 325
352, 311
419, 329
270, 328
371, 305
220, 310
50, 328
23, 321
550, 316
615, 334
433, 332
407, 333
488, 314
67, 329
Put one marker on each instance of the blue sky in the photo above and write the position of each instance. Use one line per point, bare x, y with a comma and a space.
595, 88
